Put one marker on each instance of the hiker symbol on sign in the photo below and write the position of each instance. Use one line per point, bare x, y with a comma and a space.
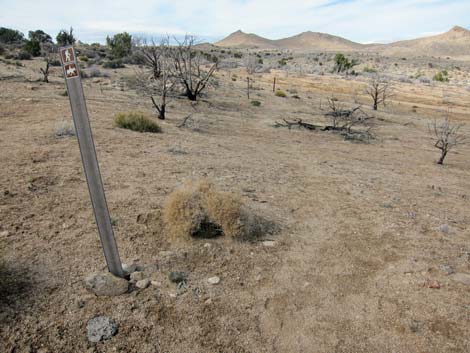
67, 55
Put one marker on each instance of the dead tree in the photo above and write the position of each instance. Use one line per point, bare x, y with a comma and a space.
296, 123
161, 88
149, 54
49, 53
379, 90
446, 136
251, 64
338, 114
191, 68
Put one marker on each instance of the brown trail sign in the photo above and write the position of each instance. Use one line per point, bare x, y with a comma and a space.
89, 159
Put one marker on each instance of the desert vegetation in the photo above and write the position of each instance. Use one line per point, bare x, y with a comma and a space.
257, 195
136, 121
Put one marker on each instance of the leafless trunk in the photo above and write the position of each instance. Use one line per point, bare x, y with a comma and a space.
190, 68
45, 71
150, 55
446, 136
160, 87
379, 90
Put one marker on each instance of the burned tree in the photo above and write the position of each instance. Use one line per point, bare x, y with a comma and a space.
149, 54
49, 53
379, 90
345, 119
191, 68
159, 88
446, 136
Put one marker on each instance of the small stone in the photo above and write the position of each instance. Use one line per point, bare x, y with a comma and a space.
173, 295
447, 269
177, 277
208, 301
5, 233
269, 243
213, 280
444, 228
463, 278
96, 80
142, 284
207, 245
137, 276
101, 328
128, 269
106, 284
155, 283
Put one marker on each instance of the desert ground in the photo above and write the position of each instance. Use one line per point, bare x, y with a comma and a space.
368, 244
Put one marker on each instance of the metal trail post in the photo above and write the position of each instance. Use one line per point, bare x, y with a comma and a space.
89, 159
248, 87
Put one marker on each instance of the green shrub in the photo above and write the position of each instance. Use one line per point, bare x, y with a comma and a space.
8, 35
255, 103
370, 70
32, 47
65, 38
22, 55
280, 94
40, 36
120, 44
136, 121
83, 58
342, 63
113, 64
441, 76
238, 55
2, 50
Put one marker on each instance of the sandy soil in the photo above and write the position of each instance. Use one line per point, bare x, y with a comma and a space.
358, 247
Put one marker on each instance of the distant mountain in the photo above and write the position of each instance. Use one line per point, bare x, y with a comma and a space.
302, 41
321, 41
455, 42
244, 40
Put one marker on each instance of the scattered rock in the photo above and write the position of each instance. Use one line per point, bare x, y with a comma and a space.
142, 284
128, 269
106, 284
101, 328
444, 228
269, 243
156, 283
447, 269
173, 295
207, 245
463, 278
137, 276
208, 301
5, 233
177, 277
434, 285
213, 280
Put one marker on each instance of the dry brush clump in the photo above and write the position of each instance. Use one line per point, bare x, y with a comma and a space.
199, 210
136, 121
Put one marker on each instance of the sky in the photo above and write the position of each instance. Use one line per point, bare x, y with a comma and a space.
363, 21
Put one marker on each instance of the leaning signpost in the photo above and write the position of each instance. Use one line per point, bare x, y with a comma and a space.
89, 159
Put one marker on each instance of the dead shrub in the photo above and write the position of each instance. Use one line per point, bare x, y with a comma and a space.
199, 210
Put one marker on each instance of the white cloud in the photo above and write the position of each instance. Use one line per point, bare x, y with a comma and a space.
360, 20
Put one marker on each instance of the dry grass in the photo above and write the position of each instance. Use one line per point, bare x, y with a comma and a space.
136, 121
198, 209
